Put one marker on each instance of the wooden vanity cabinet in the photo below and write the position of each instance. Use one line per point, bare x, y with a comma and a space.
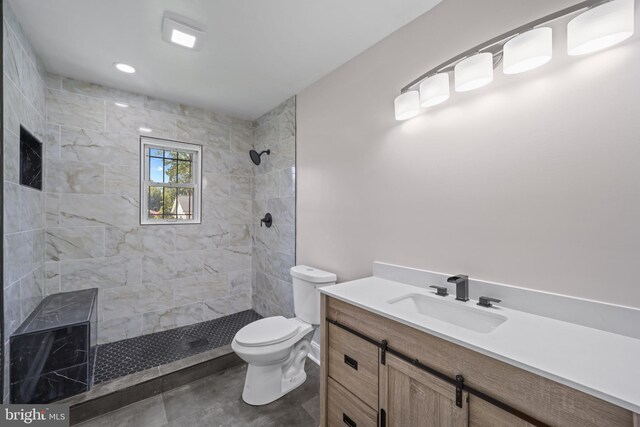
353, 362
398, 393
412, 397
350, 378
344, 409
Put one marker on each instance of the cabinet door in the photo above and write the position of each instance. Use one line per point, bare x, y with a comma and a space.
413, 397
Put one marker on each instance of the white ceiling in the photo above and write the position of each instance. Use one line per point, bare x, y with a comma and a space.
257, 53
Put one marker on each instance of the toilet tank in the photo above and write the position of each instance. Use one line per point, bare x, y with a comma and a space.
306, 297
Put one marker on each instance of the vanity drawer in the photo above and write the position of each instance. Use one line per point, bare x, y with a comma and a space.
344, 409
353, 362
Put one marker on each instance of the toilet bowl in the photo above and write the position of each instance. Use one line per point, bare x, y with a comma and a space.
276, 348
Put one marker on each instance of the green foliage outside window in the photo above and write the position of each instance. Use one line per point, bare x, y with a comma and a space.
167, 166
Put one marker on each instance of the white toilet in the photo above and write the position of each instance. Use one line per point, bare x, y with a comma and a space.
276, 347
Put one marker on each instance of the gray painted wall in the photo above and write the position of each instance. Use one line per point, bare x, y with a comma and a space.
532, 180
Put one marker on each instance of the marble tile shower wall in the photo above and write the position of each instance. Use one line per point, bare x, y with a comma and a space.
23, 246
274, 192
155, 277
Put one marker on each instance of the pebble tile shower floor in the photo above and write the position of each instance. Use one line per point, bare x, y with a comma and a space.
125, 357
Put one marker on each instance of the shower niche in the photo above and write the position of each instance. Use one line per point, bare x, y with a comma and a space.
30, 160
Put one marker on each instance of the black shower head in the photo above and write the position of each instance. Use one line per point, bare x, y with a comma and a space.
255, 156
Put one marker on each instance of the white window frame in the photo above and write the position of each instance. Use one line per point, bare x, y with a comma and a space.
147, 143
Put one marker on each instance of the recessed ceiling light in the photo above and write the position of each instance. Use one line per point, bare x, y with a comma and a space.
182, 31
144, 129
124, 67
183, 39
121, 104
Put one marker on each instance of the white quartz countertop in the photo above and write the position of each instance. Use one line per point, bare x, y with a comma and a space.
602, 364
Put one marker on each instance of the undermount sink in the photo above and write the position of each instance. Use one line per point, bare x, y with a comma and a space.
453, 312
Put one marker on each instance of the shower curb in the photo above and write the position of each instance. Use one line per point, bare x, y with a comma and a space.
91, 407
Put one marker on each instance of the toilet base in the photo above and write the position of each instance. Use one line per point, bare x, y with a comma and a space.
266, 392
267, 383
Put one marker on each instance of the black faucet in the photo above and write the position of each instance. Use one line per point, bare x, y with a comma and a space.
462, 286
440, 290
486, 301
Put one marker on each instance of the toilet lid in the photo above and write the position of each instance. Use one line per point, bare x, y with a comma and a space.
270, 330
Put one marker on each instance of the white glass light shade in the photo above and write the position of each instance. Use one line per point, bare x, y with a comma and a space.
600, 27
474, 72
407, 105
528, 51
434, 90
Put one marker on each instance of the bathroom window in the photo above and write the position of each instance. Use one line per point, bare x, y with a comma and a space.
170, 182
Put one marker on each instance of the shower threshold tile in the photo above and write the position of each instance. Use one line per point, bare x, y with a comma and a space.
132, 380
168, 350
146, 413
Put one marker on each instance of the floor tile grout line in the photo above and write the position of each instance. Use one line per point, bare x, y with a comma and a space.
164, 408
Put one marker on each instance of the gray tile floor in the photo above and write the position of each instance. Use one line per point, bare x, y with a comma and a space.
216, 401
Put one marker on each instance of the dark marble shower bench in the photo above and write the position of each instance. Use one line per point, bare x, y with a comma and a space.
52, 353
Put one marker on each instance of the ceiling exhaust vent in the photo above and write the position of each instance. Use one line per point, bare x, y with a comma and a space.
183, 31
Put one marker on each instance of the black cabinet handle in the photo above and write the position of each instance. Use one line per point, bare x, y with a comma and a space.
353, 363
348, 421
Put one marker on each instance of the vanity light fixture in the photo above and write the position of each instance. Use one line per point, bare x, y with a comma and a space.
600, 24
434, 90
600, 27
528, 50
182, 31
121, 104
144, 129
125, 68
474, 72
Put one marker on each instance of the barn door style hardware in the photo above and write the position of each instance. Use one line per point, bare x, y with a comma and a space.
383, 352
458, 381
459, 387
382, 421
